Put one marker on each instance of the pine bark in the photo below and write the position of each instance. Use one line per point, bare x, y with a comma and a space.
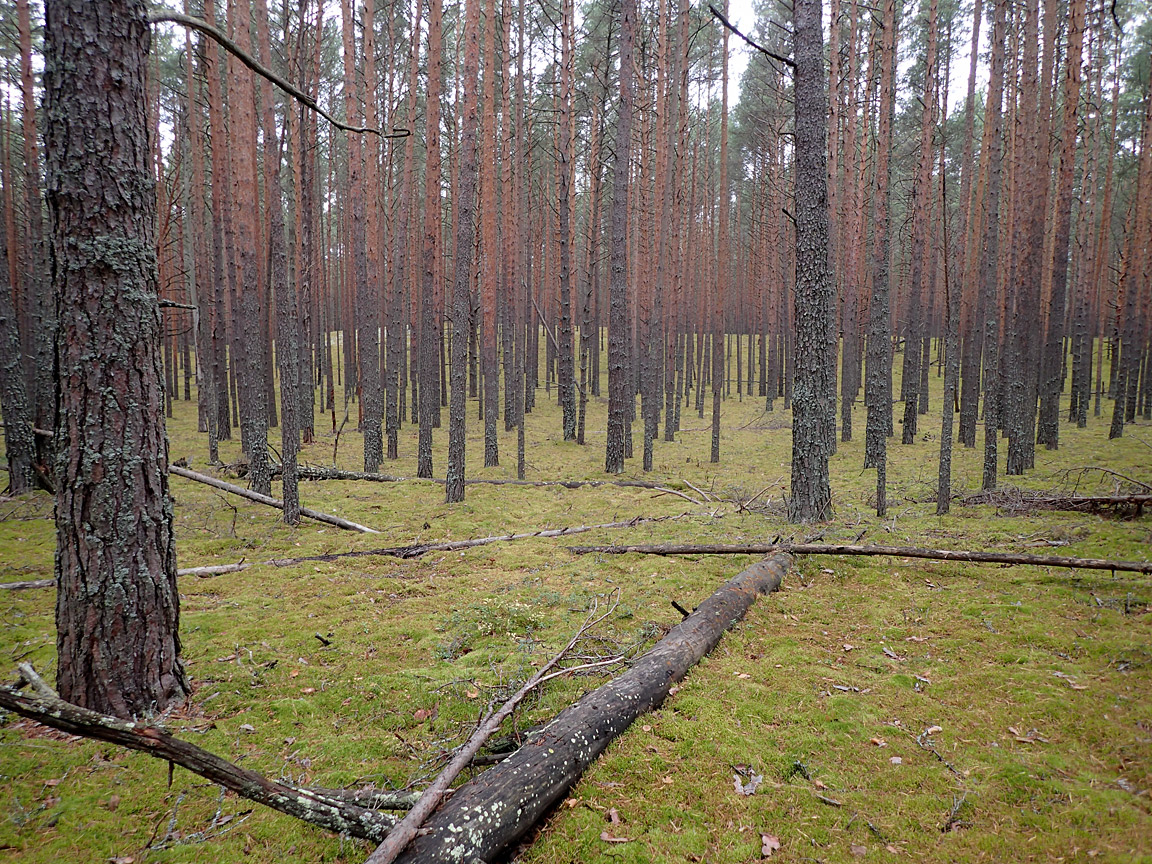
465, 213
619, 375
117, 609
813, 423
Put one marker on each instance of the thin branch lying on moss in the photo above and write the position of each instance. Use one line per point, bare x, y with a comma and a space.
1014, 500
893, 551
308, 805
414, 550
417, 549
312, 472
268, 501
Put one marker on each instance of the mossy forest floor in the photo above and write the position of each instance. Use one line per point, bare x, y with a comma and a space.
1038, 681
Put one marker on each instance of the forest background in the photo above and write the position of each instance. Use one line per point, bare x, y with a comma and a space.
541, 209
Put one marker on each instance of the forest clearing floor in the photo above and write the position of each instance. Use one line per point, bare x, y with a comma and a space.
893, 709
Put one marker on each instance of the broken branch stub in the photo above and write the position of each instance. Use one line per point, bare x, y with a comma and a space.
491, 812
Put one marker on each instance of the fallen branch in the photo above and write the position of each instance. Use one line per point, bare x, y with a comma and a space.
895, 551
402, 834
663, 490
267, 500
488, 814
320, 473
1022, 501
34, 583
414, 550
308, 805
417, 549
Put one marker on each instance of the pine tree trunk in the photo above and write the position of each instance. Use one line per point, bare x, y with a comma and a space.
813, 423
619, 375
117, 607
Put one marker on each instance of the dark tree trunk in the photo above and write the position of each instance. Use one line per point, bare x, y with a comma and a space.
565, 381
619, 377
878, 372
813, 422
117, 607
465, 212
283, 293
37, 288
990, 245
429, 391
19, 440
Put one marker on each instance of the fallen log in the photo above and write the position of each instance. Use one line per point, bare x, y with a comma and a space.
406, 829
894, 551
488, 814
267, 500
336, 814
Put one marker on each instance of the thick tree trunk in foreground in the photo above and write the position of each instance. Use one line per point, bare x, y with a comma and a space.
813, 424
117, 610
490, 813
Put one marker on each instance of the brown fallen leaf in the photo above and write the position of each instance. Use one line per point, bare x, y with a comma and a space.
768, 845
879, 742
614, 816
308, 691
915, 639
113, 803
293, 673
819, 784
932, 730
421, 714
743, 675
608, 838
571, 802
472, 694
859, 851
892, 850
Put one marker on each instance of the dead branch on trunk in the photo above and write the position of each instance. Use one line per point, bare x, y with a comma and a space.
490, 813
170, 16
268, 501
309, 805
1006, 558
399, 838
